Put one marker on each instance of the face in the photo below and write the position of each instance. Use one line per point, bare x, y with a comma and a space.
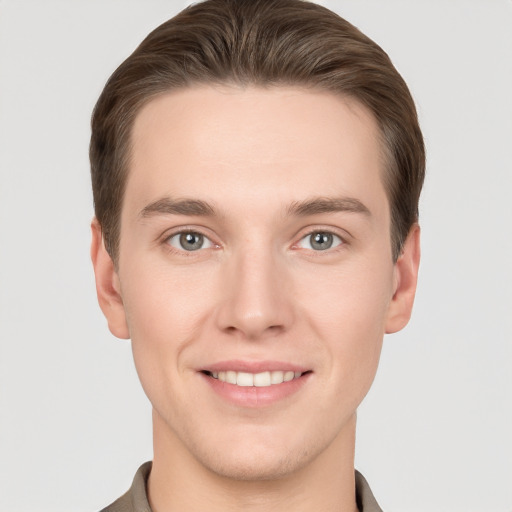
255, 274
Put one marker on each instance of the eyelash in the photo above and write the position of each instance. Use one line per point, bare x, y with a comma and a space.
184, 252
326, 231
184, 231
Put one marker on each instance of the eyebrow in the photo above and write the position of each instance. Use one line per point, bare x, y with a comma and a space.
197, 207
327, 205
178, 207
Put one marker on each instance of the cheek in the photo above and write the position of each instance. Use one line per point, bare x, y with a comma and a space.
348, 310
163, 303
165, 311
352, 299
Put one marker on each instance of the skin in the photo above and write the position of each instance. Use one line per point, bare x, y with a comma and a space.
257, 290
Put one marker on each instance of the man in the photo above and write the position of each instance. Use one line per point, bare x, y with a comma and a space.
256, 169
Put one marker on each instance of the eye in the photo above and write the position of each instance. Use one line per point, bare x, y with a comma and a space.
320, 241
189, 241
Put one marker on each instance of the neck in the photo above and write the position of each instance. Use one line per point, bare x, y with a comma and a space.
180, 482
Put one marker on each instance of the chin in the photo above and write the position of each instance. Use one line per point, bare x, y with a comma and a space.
257, 464
260, 454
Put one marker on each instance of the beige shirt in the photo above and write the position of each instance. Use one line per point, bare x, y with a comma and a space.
136, 499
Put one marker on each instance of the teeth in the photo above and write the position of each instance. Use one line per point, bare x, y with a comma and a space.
276, 377
244, 379
262, 379
288, 376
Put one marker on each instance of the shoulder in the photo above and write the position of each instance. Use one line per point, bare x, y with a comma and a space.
366, 502
122, 504
135, 499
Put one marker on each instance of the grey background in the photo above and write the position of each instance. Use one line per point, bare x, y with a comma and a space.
434, 432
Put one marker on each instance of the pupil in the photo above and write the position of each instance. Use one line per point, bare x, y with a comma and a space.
191, 241
321, 241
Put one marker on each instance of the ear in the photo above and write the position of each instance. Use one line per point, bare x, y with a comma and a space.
107, 284
406, 277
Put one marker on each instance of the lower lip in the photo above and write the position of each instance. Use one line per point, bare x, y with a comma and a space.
254, 396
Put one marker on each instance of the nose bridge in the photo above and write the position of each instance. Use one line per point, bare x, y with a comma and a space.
255, 300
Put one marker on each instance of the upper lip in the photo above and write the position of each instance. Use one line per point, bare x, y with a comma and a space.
253, 366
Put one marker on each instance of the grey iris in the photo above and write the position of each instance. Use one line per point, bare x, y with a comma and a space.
321, 241
191, 241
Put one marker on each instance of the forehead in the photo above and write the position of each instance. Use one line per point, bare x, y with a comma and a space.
226, 142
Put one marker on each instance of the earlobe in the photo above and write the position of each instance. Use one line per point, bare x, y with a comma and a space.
107, 284
406, 276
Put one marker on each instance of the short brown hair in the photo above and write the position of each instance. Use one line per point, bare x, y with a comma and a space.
264, 43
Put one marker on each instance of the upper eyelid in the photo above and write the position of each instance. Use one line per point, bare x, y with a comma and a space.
343, 234
343, 242
164, 240
169, 233
180, 233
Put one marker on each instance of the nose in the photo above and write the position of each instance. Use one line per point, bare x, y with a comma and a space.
256, 296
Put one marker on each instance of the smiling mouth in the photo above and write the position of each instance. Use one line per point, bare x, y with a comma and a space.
262, 379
